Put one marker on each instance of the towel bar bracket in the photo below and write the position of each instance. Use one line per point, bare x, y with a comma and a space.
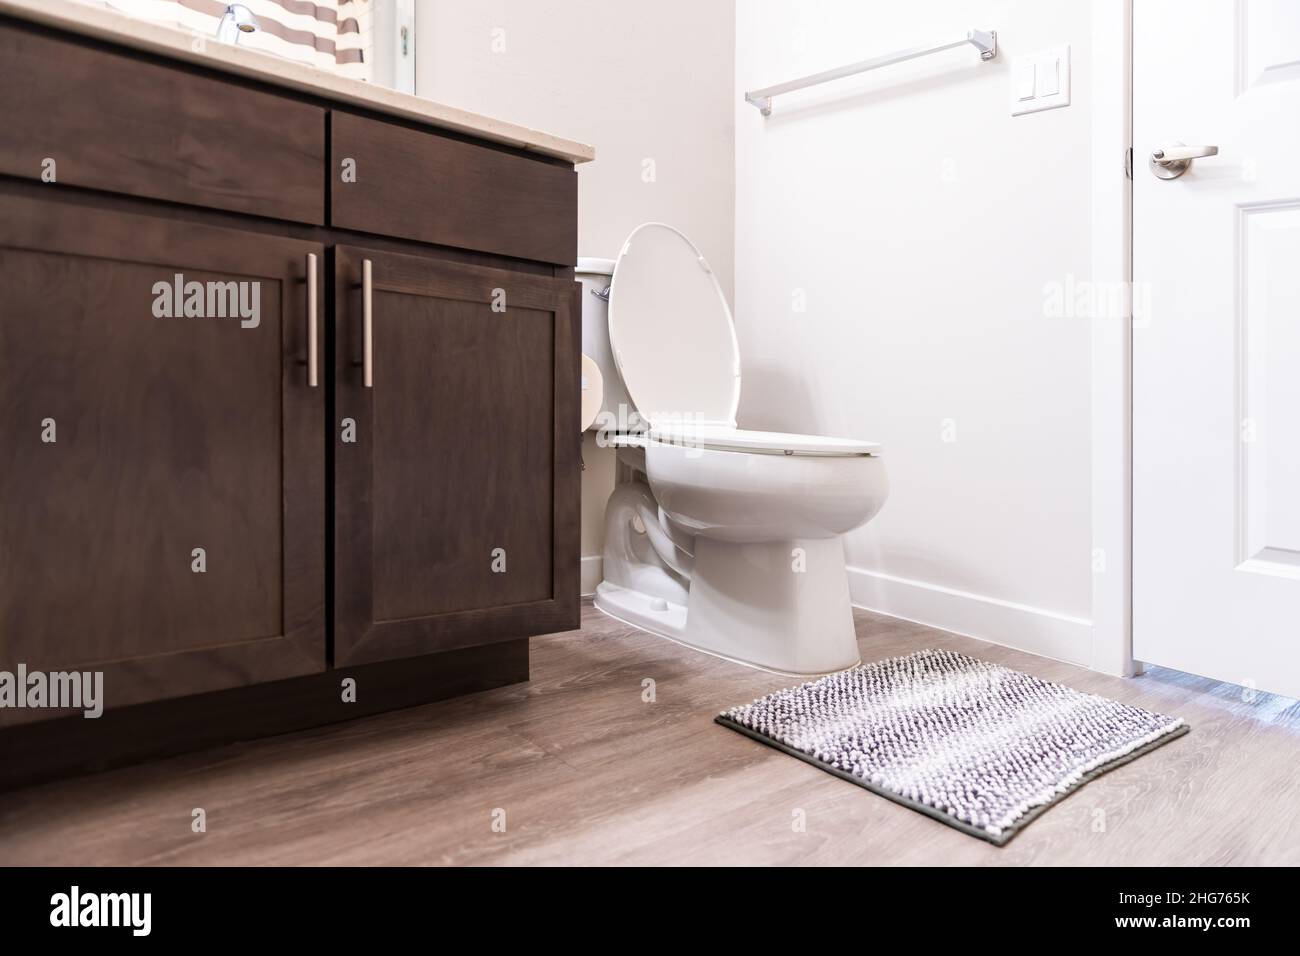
986, 41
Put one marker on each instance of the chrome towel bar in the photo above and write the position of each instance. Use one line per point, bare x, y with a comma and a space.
986, 41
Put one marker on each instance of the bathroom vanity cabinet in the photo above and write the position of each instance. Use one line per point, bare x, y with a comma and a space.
373, 479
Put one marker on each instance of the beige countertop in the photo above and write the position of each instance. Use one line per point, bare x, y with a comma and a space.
103, 23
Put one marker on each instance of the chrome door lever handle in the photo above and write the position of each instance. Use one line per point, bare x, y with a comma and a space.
1171, 154
1170, 162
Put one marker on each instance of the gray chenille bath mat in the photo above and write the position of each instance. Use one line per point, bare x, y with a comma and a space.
978, 746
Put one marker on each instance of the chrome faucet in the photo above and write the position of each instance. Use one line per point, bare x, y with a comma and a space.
237, 19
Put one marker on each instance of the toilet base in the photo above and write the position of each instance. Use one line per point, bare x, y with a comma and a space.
780, 606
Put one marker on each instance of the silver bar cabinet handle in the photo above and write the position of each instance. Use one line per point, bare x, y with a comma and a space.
313, 371
367, 325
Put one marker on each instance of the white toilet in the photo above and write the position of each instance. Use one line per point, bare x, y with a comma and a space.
726, 540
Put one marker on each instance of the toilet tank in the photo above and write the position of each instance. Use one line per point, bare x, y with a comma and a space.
595, 276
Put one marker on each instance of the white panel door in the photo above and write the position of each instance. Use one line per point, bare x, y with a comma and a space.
1216, 357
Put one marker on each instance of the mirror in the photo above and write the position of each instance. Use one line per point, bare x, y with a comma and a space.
394, 44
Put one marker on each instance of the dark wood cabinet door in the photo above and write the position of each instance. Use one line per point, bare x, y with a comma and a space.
457, 469
129, 440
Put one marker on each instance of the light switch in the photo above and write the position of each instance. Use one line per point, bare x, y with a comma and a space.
1050, 83
1025, 76
1040, 81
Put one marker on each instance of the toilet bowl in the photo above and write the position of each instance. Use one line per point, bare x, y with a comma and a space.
723, 539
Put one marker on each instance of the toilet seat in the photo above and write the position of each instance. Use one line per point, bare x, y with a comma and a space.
671, 332
725, 438
674, 342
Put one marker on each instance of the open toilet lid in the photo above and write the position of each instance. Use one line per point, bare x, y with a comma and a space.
671, 332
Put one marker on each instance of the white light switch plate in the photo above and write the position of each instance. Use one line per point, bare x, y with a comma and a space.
1040, 81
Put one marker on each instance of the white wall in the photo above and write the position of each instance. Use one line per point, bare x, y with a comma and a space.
639, 82
921, 222
643, 83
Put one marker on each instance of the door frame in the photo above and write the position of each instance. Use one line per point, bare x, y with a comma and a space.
1112, 340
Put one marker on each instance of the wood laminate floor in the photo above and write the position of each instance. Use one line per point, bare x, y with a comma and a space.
588, 772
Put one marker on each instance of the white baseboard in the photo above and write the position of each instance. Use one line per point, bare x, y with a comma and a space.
591, 571
1020, 626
